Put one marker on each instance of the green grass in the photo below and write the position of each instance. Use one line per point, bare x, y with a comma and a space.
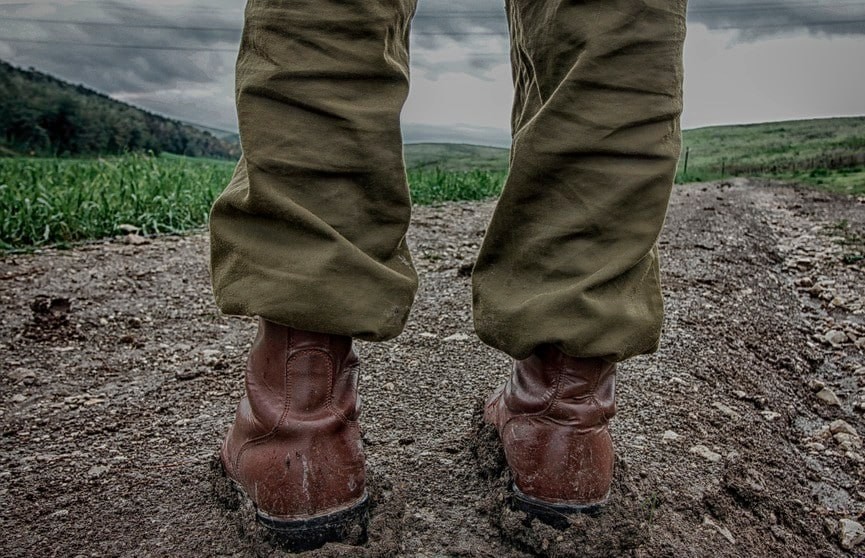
63, 201
437, 185
827, 153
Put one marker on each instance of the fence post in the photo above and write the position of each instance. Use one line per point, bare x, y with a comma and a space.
687, 151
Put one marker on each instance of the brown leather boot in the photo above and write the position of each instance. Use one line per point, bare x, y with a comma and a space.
552, 416
295, 446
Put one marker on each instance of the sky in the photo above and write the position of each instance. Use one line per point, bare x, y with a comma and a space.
745, 60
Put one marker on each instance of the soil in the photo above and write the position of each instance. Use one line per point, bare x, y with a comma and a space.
119, 379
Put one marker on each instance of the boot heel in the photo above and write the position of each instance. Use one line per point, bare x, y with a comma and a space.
299, 535
553, 513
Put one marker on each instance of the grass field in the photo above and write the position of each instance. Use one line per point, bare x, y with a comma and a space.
828, 153
62, 201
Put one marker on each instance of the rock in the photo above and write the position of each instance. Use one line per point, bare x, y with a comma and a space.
835, 337
848, 441
770, 415
457, 337
859, 371
816, 385
187, 374
22, 375
134, 239
17, 398
828, 396
706, 453
723, 531
842, 426
855, 457
97, 471
850, 533
669, 435
127, 228
732, 413
427, 335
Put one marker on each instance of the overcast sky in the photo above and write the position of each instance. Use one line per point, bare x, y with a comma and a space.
745, 61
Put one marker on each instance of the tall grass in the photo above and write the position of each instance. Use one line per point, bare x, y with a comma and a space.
62, 201
437, 185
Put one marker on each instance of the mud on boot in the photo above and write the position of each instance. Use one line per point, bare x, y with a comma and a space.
552, 417
295, 447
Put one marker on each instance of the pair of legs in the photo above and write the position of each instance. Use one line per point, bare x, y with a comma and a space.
310, 233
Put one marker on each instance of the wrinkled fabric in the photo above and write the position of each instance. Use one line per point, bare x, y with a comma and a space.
310, 232
570, 257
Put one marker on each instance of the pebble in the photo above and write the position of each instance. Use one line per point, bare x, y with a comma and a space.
842, 426
770, 415
723, 531
457, 337
97, 471
706, 453
670, 435
816, 385
848, 441
835, 337
851, 533
18, 398
828, 396
427, 335
730, 412
135, 239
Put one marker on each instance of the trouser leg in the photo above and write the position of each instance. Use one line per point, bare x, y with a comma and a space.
570, 256
310, 232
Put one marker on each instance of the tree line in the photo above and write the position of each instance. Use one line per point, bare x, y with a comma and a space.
41, 115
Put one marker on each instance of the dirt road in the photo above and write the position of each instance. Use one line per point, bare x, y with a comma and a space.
740, 437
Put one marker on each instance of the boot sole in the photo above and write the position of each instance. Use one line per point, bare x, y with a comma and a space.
301, 534
553, 513
309, 533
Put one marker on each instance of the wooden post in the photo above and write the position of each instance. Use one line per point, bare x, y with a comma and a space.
687, 151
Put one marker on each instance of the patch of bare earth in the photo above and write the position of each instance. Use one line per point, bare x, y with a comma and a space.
740, 437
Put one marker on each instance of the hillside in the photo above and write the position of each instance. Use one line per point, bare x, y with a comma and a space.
45, 116
825, 152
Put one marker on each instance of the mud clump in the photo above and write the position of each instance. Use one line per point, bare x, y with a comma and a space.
380, 535
621, 526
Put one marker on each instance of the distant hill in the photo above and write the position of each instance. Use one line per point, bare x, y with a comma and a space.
43, 115
455, 156
825, 152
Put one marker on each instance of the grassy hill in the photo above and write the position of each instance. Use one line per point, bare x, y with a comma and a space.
455, 157
45, 116
826, 152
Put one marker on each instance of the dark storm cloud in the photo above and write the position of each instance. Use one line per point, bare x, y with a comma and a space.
76, 51
763, 18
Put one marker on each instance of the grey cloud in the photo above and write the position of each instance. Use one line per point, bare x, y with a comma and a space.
128, 70
757, 20
478, 135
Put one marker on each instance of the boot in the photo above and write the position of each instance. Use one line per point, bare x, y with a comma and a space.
552, 417
295, 446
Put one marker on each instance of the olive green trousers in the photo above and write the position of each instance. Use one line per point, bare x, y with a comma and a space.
310, 232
